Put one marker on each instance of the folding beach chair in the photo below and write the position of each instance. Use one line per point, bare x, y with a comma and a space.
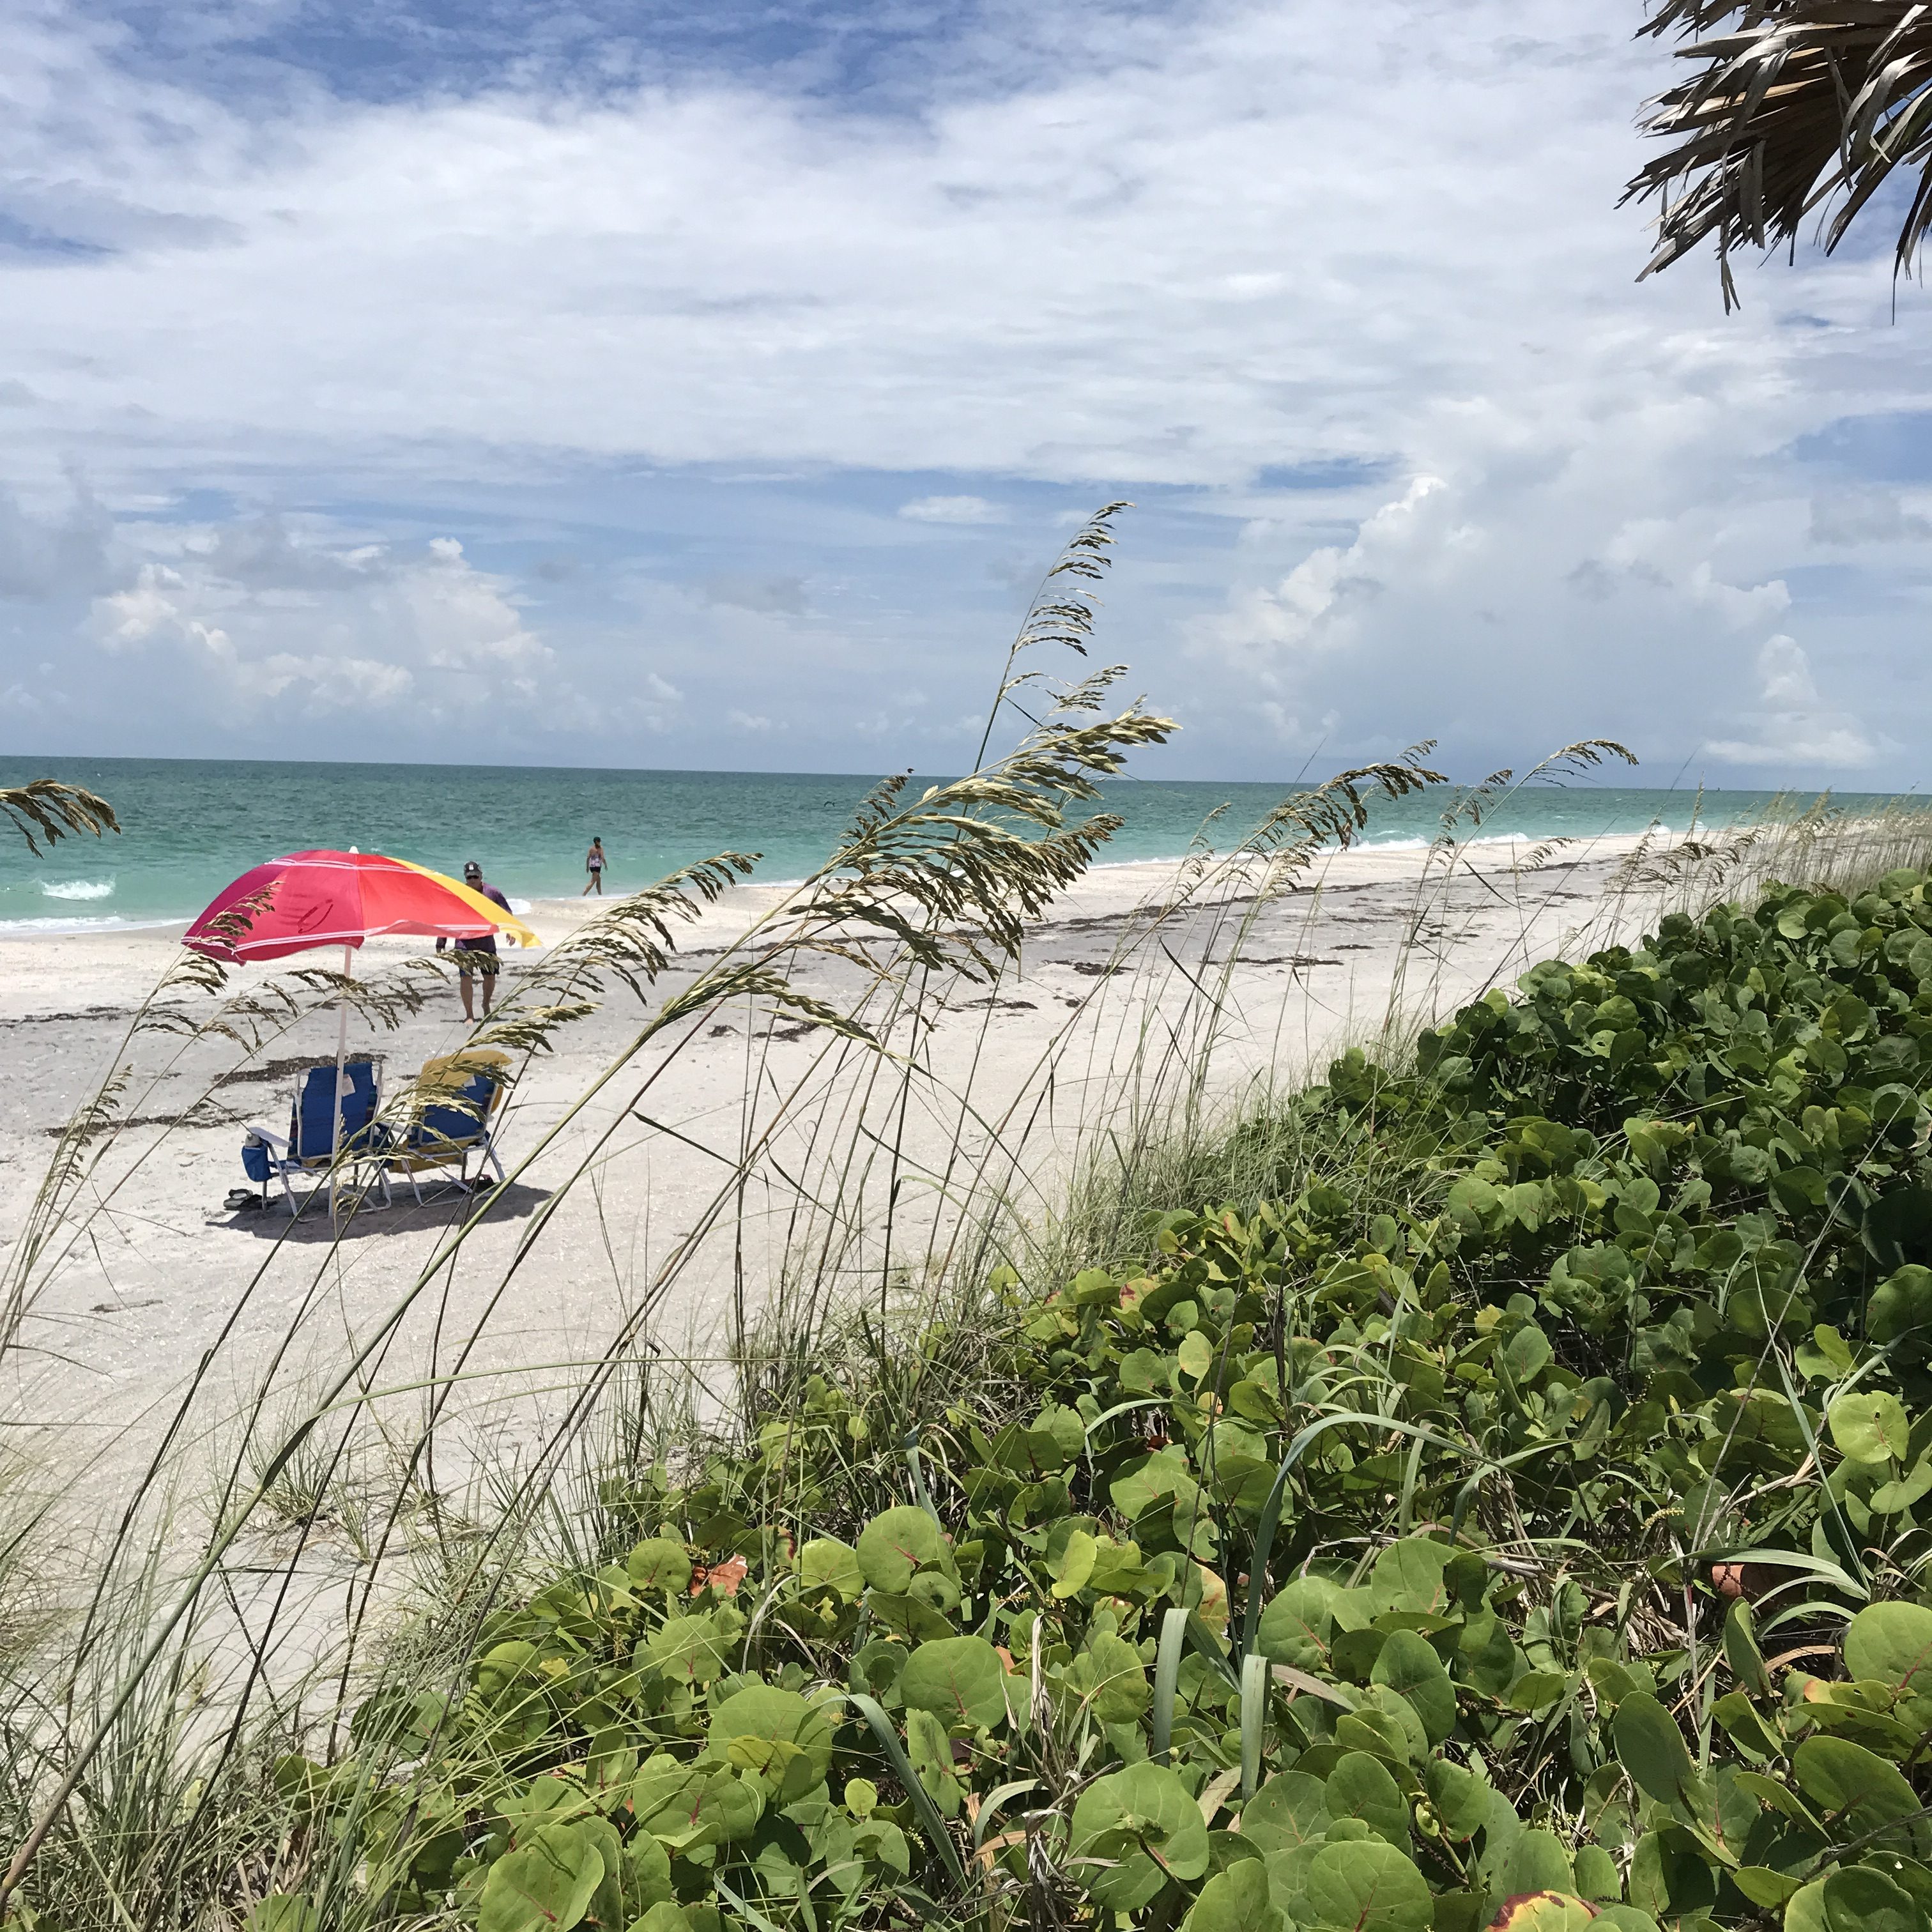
310, 1145
468, 1087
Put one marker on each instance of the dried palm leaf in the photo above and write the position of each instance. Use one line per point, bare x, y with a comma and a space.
1803, 105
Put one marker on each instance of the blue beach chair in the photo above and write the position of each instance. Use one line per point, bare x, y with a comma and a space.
463, 1093
310, 1147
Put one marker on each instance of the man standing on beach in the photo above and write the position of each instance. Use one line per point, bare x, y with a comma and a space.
469, 950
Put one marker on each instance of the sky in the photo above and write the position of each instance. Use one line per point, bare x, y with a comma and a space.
646, 385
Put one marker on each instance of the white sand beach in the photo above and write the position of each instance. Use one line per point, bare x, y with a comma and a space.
151, 1279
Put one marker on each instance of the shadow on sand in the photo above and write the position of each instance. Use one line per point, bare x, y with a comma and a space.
442, 1207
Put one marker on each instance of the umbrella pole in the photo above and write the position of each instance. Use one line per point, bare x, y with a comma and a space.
341, 1059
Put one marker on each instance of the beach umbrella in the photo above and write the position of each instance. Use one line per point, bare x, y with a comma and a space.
311, 899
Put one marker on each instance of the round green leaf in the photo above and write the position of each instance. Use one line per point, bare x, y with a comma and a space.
1669, 1877
1234, 1900
1858, 1899
1056, 1436
1535, 1861
1152, 1479
1459, 1798
1596, 1875
959, 1679
1108, 1676
607, 1902
688, 1805
1289, 1810
1612, 1917
1385, 1728
1900, 1306
1144, 1818
1545, 1911
664, 1916
1073, 1564
1741, 1649
1893, 1641
1408, 1576
1651, 1747
1408, 1664
1471, 1200
1195, 1353
776, 1734
1359, 1787
659, 1563
645, 1872
687, 1649
1535, 1689
544, 1885
895, 1544
1367, 1886
1869, 1426
1393, 1704
1863, 1790
1804, 1910
826, 1564
498, 1669
1296, 1626
544, 1800
912, 1617
1761, 1885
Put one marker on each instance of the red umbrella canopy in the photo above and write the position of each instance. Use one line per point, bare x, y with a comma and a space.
340, 898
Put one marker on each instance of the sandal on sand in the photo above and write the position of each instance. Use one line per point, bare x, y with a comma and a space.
243, 1201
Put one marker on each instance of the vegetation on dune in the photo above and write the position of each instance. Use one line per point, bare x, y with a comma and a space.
1536, 1539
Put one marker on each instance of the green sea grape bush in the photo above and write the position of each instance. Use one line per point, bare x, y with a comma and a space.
1554, 1551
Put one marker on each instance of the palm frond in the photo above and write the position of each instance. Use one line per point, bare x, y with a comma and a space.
1803, 105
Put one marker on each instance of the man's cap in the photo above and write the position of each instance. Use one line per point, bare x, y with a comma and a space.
472, 870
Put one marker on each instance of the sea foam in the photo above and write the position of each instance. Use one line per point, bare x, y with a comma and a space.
74, 925
78, 889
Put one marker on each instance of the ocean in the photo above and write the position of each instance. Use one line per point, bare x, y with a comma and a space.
190, 826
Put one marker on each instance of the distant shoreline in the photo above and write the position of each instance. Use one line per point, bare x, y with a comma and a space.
190, 826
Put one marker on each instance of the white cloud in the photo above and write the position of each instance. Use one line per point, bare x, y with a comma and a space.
776, 592
1164, 261
1151, 264
952, 510
1508, 615
1312, 608
1866, 516
160, 607
1740, 608
1794, 725
227, 607
63, 548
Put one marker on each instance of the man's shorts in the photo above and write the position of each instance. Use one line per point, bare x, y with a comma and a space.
473, 961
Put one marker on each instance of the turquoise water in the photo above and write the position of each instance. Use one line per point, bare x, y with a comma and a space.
189, 826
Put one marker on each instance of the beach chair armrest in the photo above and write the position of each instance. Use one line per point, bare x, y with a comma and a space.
273, 1139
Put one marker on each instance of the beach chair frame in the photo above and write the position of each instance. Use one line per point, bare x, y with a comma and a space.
360, 1143
436, 1142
